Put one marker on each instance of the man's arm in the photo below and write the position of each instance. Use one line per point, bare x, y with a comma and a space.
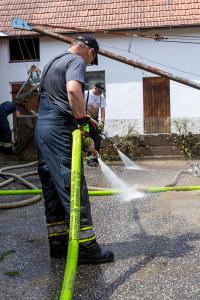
75, 96
18, 113
76, 101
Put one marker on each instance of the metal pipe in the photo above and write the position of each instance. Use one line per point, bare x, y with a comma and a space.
74, 228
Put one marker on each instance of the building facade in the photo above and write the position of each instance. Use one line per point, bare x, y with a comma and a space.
145, 101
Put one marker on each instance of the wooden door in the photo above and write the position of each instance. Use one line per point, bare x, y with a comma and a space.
156, 92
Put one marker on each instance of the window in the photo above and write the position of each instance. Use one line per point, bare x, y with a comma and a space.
24, 49
92, 77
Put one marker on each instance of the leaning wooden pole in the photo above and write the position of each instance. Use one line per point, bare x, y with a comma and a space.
19, 24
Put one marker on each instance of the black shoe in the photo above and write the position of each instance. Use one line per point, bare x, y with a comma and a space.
8, 150
58, 247
92, 163
94, 255
1, 149
96, 160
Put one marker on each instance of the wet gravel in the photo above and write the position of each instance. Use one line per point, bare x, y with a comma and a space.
156, 241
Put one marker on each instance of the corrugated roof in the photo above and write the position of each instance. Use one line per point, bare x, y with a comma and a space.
101, 14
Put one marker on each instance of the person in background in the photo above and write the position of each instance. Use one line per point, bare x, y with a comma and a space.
95, 104
7, 108
61, 111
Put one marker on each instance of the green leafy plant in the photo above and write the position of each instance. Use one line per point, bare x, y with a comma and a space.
6, 253
11, 273
185, 140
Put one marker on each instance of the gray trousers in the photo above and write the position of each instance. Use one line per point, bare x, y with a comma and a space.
53, 136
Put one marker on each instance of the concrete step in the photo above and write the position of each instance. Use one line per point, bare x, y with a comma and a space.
160, 150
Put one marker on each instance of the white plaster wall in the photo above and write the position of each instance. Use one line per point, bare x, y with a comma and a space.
125, 89
4, 73
124, 84
5, 92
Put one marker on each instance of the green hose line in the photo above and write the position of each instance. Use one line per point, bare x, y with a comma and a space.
101, 193
172, 188
39, 191
74, 227
20, 192
109, 192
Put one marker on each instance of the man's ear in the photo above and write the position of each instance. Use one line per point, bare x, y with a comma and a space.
91, 51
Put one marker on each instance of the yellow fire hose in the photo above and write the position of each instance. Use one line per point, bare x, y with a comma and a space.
74, 227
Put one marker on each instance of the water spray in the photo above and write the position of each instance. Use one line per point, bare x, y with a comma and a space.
105, 136
194, 169
128, 163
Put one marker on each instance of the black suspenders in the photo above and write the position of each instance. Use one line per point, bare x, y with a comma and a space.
48, 67
86, 108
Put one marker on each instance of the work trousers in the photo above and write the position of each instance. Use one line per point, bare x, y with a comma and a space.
95, 135
5, 132
53, 137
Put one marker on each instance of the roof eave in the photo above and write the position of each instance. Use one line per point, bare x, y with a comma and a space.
2, 34
138, 29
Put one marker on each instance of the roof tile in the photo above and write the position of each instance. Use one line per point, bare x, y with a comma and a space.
101, 14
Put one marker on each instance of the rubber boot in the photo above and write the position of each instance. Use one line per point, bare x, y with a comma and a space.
94, 254
58, 247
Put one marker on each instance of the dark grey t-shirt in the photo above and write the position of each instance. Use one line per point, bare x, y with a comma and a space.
57, 73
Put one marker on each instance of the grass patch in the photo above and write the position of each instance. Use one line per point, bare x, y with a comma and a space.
6, 253
12, 273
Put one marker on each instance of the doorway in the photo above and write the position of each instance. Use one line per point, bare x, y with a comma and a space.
156, 91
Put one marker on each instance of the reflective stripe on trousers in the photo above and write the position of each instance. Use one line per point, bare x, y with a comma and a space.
6, 145
57, 229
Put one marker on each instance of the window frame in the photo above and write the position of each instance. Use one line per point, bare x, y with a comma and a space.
37, 49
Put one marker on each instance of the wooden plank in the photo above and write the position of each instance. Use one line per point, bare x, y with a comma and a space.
25, 132
32, 103
24, 125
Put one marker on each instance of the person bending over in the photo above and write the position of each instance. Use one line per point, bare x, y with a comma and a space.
95, 104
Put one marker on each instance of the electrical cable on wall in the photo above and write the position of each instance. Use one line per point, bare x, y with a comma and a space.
167, 66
